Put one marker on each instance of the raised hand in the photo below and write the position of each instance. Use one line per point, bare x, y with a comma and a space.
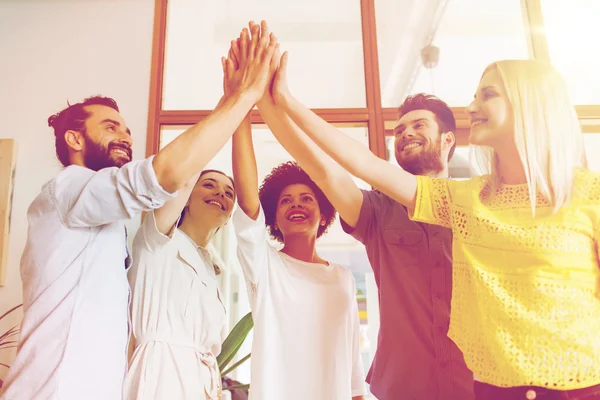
258, 56
279, 87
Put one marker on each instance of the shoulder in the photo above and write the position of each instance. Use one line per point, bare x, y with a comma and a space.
587, 186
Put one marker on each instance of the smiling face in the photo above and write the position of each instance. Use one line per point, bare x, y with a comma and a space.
298, 211
491, 112
418, 144
213, 196
107, 138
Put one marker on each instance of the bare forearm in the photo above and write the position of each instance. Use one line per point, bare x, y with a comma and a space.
349, 153
189, 153
245, 171
352, 155
333, 180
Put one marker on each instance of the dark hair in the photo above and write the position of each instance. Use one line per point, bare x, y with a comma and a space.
73, 118
443, 114
283, 175
206, 171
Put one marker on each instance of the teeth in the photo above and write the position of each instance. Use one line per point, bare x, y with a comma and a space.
215, 203
412, 146
478, 122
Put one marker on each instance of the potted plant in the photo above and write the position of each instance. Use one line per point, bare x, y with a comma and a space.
8, 339
229, 349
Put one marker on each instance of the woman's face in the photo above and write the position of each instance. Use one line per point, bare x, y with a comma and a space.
213, 195
491, 112
298, 211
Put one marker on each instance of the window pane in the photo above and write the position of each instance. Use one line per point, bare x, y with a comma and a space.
323, 37
572, 31
470, 34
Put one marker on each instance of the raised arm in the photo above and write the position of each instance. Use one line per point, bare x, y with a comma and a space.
189, 153
349, 153
333, 180
243, 158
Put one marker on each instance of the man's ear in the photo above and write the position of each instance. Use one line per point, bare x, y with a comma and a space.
448, 140
74, 140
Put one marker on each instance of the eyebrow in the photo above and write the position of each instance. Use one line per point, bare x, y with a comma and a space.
400, 128
117, 123
215, 181
485, 89
301, 194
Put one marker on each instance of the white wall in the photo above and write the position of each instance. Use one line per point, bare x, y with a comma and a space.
52, 51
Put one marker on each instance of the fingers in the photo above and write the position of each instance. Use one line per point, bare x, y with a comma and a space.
276, 55
283, 63
229, 69
270, 50
255, 36
244, 44
223, 61
235, 53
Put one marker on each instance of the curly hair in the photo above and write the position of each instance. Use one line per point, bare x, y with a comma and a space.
73, 118
443, 114
284, 175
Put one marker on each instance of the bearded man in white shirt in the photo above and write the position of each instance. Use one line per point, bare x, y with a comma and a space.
74, 333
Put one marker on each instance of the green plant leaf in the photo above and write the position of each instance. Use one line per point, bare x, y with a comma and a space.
234, 341
9, 311
235, 365
237, 387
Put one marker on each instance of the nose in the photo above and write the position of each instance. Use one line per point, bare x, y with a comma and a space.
472, 108
126, 139
295, 204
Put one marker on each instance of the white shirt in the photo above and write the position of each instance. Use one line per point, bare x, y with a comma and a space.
177, 316
75, 291
306, 328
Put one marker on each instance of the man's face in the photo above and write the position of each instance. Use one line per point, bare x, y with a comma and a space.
107, 139
418, 143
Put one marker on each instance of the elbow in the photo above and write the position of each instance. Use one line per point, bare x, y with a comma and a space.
167, 176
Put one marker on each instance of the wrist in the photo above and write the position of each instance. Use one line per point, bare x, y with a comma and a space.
244, 98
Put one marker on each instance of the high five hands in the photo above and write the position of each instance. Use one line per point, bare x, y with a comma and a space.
248, 69
254, 62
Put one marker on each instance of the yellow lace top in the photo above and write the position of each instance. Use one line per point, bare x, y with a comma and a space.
525, 291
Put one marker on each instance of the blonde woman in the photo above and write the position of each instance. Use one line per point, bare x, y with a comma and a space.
526, 301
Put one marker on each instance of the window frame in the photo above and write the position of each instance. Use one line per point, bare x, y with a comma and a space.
379, 119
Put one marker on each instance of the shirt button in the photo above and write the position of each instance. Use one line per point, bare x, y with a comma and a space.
531, 395
440, 330
435, 233
443, 364
439, 296
437, 264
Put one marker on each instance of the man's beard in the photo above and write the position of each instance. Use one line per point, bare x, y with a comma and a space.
427, 162
98, 157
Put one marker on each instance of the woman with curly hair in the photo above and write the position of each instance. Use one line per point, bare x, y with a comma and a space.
306, 328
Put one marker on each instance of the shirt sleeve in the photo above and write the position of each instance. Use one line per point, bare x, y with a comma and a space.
86, 198
149, 237
358, 372
433, 201
253, 244
367, 219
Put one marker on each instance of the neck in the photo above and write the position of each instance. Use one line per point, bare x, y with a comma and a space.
302, 248
442, 174
200, 231
510, 167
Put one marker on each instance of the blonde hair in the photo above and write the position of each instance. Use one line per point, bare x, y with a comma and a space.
547, 133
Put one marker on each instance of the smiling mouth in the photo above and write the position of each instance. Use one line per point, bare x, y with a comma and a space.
411, 146
122, 152
477, 122
215, 203
297, 217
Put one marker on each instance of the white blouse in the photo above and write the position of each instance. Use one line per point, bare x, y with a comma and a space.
177, 317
